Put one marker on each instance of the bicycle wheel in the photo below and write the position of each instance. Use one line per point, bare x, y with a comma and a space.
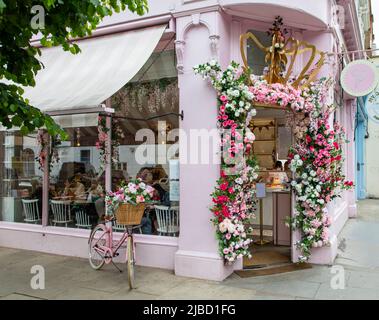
97, 238
130, 254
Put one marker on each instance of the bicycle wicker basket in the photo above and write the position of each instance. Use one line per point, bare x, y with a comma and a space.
129, 214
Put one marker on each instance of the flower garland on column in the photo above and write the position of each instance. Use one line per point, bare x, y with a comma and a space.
233, 197
316, 158
48, 149
101, 144
317, 162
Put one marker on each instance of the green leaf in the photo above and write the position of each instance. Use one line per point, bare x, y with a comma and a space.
17, 120
2, 6
13, 107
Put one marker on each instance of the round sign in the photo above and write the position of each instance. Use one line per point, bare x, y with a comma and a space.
359, 78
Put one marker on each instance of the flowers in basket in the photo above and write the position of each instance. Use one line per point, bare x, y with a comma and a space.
133, 192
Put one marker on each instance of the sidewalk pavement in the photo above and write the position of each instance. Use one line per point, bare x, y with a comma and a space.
72, 278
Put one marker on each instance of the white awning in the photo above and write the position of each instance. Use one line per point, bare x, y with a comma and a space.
85, 80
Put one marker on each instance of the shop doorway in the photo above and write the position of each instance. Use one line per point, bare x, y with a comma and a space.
271, 237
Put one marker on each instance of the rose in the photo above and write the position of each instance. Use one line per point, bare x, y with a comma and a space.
140, 199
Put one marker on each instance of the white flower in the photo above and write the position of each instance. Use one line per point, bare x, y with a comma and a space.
239, 181
313, 173
249, 96
241, 103
236, 93
296, 157
212, 62
223, 226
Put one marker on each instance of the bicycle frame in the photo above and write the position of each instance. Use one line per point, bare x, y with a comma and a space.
108, 250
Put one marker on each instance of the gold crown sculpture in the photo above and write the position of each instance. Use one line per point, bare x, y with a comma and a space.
278, 54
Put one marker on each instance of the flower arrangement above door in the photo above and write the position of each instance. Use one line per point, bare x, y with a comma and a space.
315, 158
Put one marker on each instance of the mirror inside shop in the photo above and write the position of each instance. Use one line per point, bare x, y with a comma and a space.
271, 236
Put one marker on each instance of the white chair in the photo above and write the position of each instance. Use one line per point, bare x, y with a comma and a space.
82, 219
168, 220
31, 210
121, 227
61, 212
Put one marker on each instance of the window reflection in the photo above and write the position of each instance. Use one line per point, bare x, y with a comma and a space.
77, 182
21, 178
146, 152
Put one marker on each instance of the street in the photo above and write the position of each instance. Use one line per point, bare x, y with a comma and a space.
72, 278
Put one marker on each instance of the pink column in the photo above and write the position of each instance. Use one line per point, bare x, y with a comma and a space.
350, 111
197, 42
45, 185
108, 163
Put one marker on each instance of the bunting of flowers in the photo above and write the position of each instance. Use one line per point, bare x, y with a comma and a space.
316, 157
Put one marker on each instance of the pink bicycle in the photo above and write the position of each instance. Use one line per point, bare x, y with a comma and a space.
101, 246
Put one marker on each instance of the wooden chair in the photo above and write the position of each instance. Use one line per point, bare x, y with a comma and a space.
61, 212
168, 220
31, 210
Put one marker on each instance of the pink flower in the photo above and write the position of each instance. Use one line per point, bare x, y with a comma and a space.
224, 186
140, 199
223, 98
325, 234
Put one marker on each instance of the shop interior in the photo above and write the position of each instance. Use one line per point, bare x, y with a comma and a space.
271, 237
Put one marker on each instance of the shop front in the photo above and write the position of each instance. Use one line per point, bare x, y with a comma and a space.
130, 104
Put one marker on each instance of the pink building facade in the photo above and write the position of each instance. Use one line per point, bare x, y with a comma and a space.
205, 30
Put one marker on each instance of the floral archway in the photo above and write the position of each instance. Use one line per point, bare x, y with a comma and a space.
315, 158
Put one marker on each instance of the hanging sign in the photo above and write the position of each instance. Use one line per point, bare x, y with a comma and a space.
359, 78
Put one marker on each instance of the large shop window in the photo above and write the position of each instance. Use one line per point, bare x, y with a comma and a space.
77, 180
147, 111
21, 178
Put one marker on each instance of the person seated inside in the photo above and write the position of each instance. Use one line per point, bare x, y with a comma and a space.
75, 188
160, 194
95, 191
96, 197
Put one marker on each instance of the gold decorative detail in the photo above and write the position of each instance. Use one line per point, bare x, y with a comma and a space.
278, 54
